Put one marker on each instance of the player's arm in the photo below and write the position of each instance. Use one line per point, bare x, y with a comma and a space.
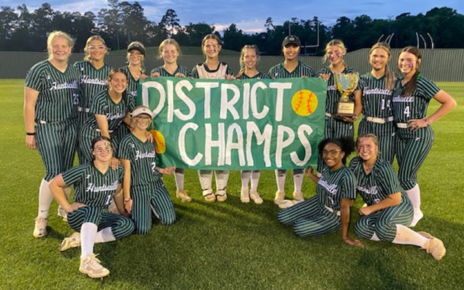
448, 103
357, 103
393, 199
30, 99
118, 199
56, 186
167, 170
102, 125
310, 174
126, 184
346, 204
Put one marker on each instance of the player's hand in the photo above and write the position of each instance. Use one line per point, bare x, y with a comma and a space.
143, 76
304, 77
167, 170
30, 142
349, 119
310, 172
325, 77
72, 207
155, 74
365, 210
128, 207
416, 124
179, 75
114, 163
230, 77
149, 136
353, 242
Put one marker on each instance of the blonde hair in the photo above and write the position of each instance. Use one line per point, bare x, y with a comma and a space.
242, 56
390, 78
210, 36
142, 57
58, 33
164, 43
334, 42
87, 56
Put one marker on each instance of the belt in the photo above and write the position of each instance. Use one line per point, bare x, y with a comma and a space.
331, 210
80, 109
109, 131
379, 120
402, 125
51, 122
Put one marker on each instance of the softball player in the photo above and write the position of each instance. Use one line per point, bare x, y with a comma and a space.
376, 97
388, 212
93, 74
109, 109
212, 68
95, 185
414, 135
329, 209
249, 57
135, 70
169, 51
51, 95
290, 68
144, 190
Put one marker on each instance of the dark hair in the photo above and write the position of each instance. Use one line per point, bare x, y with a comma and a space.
98, 139
411, 85
346, 145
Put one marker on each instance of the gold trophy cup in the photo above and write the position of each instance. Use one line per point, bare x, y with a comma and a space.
346, 85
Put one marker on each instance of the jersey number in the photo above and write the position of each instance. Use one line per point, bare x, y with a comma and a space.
108, 200
406, 111
383, 104
153, 166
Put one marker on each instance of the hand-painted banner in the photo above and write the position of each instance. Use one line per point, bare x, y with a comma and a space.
236, 125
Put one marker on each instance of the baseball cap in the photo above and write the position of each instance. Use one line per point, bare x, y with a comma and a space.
291, 39
137, 46
142, 110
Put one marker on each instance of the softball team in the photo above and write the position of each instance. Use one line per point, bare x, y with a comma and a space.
212, 68
292, 67
169, 51
51, 96
414, 137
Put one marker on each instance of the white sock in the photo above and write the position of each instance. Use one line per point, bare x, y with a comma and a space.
375, 238
45, 199
254, 180
406, 236
280, 178
105, 235
179, 177
245, 174
222, 177
414, 197
206, 178
298, 176
88, 234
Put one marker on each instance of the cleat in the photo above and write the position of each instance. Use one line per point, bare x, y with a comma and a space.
298, 196
221, 195
209, 195
92, 267
183, 196
244, 195
40, 229
254, 195
436, 248
73, 241
279, 197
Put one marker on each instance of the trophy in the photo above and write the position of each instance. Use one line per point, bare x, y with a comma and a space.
346, 85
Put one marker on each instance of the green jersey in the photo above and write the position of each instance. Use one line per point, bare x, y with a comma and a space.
333, 95
180, 69
376, 98
132, 87
58, 91
142, 157
92, 187
102, 104
258, 76
334, 186
280, 72
91, 81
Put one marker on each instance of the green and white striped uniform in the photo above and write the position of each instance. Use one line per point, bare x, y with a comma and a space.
412, 147
102, 104
131, 95
280, 72
180, 69
320, 214
373, 188
96, 190
147, 189
55, 115
377, 103
91, 81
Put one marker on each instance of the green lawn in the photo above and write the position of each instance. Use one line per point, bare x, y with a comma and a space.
230, 245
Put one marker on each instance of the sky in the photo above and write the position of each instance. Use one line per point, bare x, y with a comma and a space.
250, 15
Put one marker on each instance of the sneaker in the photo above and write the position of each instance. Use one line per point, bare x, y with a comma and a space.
426, 235
182, 195
73, 241
286, 203
62, 213
298, 196
418, 215
209, 195
221, 195
279, 197
436, 248
245, 195
254, 195
40, 229
91, 266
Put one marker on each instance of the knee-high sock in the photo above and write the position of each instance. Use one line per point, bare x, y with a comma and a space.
280, 178
298, 176
88, 234
105, 235
254, 181
206, 178
406, 236
222, 177
414, 197
245, 174
179, 177
45, 199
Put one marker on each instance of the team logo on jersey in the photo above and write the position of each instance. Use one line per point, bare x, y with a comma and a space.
160, 142
304, 102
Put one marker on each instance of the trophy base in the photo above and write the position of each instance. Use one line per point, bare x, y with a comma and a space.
345, 109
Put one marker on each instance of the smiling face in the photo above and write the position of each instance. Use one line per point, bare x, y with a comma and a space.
379, 58
367, 149
408, 63
143, 121
103, 151
135, 57
333, 155
334, 54
117, 82
170, 53
59, 49
96, 49
211, 48
291, 51
250, 58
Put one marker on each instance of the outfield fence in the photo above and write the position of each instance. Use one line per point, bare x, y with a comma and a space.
440, 65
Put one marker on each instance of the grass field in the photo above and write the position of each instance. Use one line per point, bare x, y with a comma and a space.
230, 245
185, 50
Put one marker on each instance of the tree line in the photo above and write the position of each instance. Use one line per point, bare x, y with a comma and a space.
123, 22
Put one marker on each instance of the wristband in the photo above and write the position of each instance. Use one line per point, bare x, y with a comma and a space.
30, 133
